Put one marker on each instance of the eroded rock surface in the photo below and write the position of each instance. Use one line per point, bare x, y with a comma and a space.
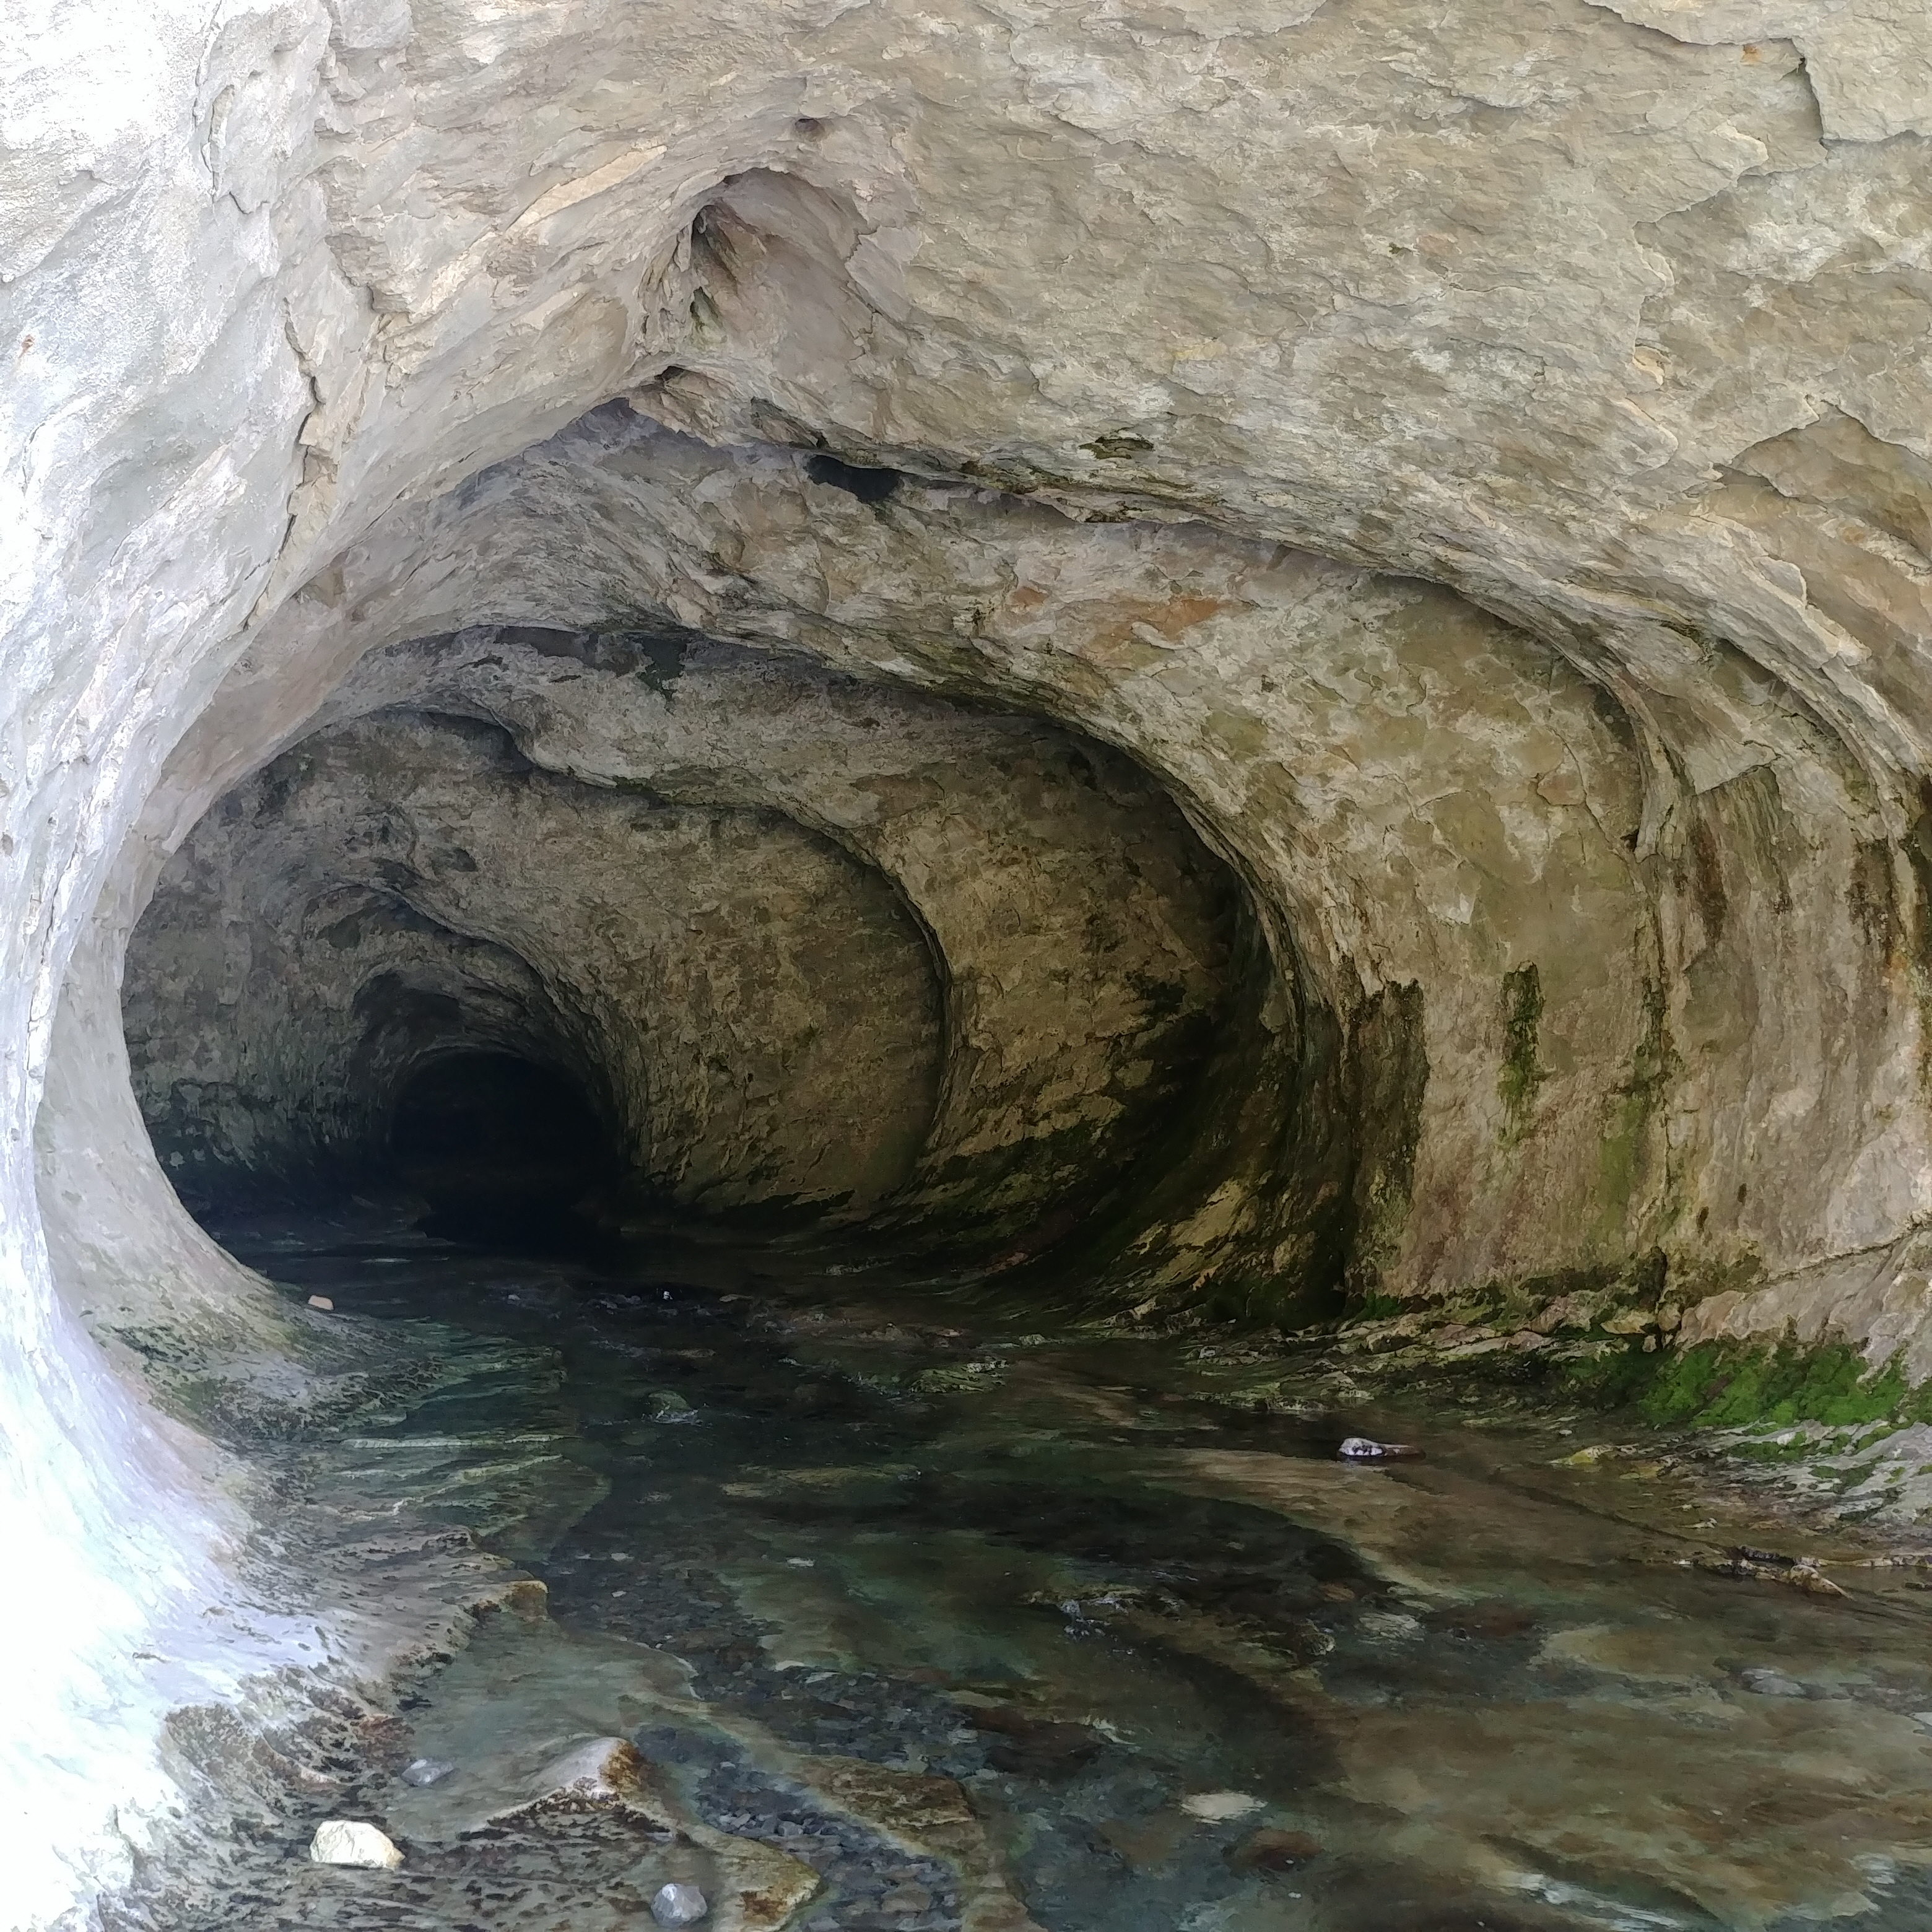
1473, 464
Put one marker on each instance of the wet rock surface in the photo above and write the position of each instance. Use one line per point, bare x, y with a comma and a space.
1089, 1646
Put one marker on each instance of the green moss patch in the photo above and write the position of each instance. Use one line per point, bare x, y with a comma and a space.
1742, 1385
1521, 1076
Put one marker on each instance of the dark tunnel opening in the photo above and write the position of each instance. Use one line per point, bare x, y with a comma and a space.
503, 1150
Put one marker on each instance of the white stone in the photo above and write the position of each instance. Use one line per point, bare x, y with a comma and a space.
349, 1841
1220, 1808
676, 1904
1769, 1683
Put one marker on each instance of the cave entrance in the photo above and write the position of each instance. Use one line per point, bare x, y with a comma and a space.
502, 1149
783, 957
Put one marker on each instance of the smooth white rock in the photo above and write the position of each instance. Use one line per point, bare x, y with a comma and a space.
349, 1841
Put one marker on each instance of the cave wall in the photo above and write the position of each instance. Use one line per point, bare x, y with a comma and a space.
816, 942
757, 1011
1478, 460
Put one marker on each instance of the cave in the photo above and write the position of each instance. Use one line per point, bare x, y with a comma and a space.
968, 968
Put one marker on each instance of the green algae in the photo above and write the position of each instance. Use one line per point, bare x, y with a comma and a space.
1522, 1076
1627, 1133
1732, 1385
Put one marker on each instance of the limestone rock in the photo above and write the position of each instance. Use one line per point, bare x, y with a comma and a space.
347, 1841
605, 1769
1219, 1808
1767, 1683
1514, 567
679, 1905
758, 1888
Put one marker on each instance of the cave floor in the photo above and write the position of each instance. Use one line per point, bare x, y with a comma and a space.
992, 1629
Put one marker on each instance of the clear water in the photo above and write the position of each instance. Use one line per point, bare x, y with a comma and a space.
1125, 1647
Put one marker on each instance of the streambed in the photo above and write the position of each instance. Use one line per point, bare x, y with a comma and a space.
1087, 1631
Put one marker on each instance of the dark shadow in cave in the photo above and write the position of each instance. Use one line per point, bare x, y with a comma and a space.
504, 1150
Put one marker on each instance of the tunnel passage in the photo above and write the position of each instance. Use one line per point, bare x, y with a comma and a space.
498, 1145
749, 1012
1221, 862
659, 930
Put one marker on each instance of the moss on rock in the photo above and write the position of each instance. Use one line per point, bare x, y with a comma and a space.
1516, 1085
1736, 1385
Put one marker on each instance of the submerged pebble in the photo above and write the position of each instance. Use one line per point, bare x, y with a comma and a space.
1772, 1683
1219, 1807
679, 1905
1396, 1626
1271, 1850
424, 1771
349, 1841
1362, 1449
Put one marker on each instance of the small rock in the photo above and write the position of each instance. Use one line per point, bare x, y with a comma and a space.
1031, 1747
1771, 1683
1393, 1626
1360, 1449
1627, 1321
1769, 1566
679, 1905
322, 1302
348, 1841
668, 1402
1219, 1807
1269, 1850
426, 1770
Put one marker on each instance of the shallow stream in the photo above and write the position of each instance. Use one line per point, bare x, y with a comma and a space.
1090, 1632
